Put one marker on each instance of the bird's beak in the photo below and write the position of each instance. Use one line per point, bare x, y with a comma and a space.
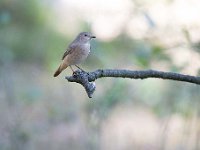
92, 37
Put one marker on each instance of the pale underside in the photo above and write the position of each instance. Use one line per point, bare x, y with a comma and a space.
75, 55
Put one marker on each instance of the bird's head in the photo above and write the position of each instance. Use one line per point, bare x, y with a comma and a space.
85, 37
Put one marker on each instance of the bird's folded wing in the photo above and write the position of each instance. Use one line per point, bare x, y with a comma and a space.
69, 50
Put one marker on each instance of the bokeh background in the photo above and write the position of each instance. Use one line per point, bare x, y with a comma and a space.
38, 111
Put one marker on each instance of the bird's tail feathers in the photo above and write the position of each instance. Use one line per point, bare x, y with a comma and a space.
58, 71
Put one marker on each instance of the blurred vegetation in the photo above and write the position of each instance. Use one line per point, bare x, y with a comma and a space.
40, 112
25, 35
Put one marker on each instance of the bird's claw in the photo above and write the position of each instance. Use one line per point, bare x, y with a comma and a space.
75, 73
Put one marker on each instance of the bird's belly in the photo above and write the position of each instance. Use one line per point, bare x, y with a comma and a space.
79, 56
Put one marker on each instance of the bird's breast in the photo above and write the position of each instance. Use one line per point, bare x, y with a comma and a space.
85, 50
79, 54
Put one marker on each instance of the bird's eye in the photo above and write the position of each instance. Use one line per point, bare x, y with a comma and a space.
85, 35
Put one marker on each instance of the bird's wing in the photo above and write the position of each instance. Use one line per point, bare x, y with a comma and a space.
69, 50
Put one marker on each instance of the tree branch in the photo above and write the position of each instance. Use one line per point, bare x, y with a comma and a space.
86, 79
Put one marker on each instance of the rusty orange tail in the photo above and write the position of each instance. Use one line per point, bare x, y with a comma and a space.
58, 71
62, 67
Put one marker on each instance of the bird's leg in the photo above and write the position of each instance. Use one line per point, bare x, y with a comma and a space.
74, 73
80, 68
71, 69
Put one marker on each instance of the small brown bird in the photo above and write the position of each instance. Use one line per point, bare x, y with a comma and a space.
77, 52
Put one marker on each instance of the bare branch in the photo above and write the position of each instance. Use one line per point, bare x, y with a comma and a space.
86, 79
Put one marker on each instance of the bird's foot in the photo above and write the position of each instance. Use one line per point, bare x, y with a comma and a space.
77, 72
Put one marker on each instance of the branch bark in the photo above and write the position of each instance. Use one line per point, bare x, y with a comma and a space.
86, 79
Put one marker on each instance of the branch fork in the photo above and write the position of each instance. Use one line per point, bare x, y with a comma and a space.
82, 78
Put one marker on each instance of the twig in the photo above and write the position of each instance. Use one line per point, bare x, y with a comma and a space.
86, 79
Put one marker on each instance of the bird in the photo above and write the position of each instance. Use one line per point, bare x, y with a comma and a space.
76, 52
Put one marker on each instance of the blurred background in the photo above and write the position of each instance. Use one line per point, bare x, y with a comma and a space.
38, 111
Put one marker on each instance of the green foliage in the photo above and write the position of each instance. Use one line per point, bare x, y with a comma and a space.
24, 33
27, 14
